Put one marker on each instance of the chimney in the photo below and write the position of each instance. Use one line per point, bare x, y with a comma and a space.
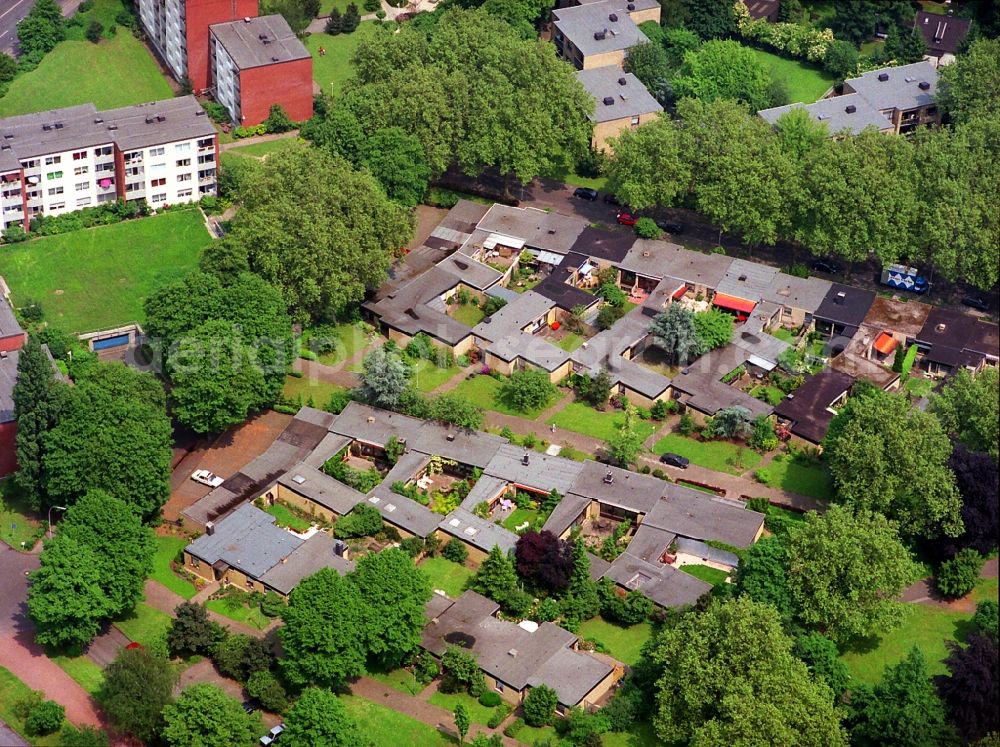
941, 327
850, 108
339, 548
525, 459
608, 101
210, 528
840, 297
613, 18
630, 7
924, 85
622, 81
450, 437
883, 77
609, 477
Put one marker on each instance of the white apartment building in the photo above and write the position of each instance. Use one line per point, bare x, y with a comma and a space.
164, 152
164, 23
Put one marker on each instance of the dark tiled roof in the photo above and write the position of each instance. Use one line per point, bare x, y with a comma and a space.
943, 34
603, 243
845, 304
956, 338
807, 408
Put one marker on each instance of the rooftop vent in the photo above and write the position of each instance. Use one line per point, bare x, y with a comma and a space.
841, 296
149, 120
609, 477
200, 113
924, 85
512, 652
339, 548
552, 231
630, 7
298, 479
159, 118
262, 37
98, 120
850, 108
370, 420
274, 58
8, 136
525, 459
450, 437
58, 125
210, 528
246, 19
646, 254
112, 126
613, 18
608, 101
600, 35
622, 81
46, 127
908, 79
743, 278
941, 327
883, 77
461, 265
471, 531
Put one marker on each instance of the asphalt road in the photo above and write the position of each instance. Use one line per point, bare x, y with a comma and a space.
12, 11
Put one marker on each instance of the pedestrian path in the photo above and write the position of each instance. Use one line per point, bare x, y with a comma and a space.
161, 598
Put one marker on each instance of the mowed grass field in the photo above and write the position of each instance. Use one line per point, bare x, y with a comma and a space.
333, 69
98, 278
117, 72
804, 82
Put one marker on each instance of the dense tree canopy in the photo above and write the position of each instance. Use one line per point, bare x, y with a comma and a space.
968, 87
385, 376
113, 434
225, 347
725, 70
730, 678
316, 229
888, 457
977, 480
36, 406
319, 719
846, 572
543, 559
675, 332
137, 685
206, 717
969, 409
470, 89
763, 575
972, 691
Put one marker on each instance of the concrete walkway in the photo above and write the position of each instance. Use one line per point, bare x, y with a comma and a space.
418, 708
245, 141
163, 599
923, 592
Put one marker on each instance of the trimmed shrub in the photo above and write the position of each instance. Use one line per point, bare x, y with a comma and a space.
513, 728
958, 576
489, 699
455, 551
45, 718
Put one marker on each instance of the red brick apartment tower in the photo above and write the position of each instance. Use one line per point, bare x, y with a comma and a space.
200, 14
287, 83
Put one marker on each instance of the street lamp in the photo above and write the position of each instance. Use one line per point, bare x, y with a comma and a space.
61, 508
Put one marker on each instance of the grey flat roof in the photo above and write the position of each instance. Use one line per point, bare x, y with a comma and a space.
701, 382
698, 268
902, 88
832, 113
408, 464
629, 490
580, 24
650, 257
749, 337
406, 514
553, 231
662, 584
566, 512
572, 674
472, 273
476, 531
514, 317
543, 473
311, 556
687, 512
628, 99
330, 445
649, 543
531, 349
747, 280
800, 293
83, 126
320, 488
407, 307
486, 488
247, 540
260, 41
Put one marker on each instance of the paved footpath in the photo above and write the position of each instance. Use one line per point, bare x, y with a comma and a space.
923, 592
163, 599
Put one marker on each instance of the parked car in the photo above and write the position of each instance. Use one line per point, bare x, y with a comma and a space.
272, 735
627, 219
610, 199
675, 460
207, 478
827, 265
585, 193
671, 226
249, 707
976, 302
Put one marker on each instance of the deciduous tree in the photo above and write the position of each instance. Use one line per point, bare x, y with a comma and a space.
540, 705
763, 575
724, 70
384, 377
972, 691
319, 718
397, 159
969, 409
651, 165
967, 89
191, 631
544, 559
137, 685
714, 328
204, 715
527, 390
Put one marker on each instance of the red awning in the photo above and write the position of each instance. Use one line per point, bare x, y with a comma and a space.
733, 303
680, 292
885, 343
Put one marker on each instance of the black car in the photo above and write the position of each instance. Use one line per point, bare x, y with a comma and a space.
672, 226
585, 193
249, 706
828, 266
675, 460
976, 302
610, 199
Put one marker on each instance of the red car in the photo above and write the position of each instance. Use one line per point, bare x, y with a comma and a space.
627, 219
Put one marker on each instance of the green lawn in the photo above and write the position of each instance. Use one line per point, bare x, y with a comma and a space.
310, 390
718, 455
259, 150
783, 334
927, 628
399, 679
804, 82
478, 714
706, 573
98, 278
16, 524
349, 339
570, 341
13, 690
468, 314
251, 616
767, 393
919, 387
166, 550
427, 376
537, 735
327, 5
625, 644
582, 418
82, 669
66, 77
640, 735
284, 516
482, 390
333, 69
385, 727
569, 176
445, 575
520, 515
790, 474
145, 624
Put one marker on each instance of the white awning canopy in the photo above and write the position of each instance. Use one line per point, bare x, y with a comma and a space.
495, 239
756, 360
550, 258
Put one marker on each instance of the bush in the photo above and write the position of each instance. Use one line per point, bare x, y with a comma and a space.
265, 688
45, 718
272, 605
278, 120
958, 576
527, 390
85, 736
540, 705
514, 727
426, 668
489, 699
14, 235
364, 520
351, 19
685, 426
985, 618
455, 551
646, 228
337, 402
492, 304
95, 30
499, 715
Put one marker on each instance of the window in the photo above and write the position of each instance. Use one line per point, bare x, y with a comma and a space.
181, 147
57, 206
156, 151
158, 167
49, 160
635, 121
80, 186
79, 155
83, 202
182, 193
105, 167
55, 191
107, 150
54, 175
162, 197
207, 158
498, 686
183, 177
81, 170
30, 164
133, 186
133, 171
158, 182
184, 162
206, 143
195, 563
